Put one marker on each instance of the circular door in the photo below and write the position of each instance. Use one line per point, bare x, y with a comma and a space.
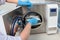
35, 15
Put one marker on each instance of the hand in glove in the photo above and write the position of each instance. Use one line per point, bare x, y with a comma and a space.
24, 3
33, 21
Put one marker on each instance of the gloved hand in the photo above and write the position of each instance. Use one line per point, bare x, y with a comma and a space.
24, 3
33, 21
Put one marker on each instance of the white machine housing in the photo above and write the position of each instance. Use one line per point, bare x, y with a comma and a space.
52, 18
49, 13
49, 18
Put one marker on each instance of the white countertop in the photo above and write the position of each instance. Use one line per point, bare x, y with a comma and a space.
44, 36
44, 2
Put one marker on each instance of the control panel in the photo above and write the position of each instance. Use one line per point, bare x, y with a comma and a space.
52, 18
53, 12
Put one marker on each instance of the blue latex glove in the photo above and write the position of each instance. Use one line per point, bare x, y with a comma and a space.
33, 21
24, 3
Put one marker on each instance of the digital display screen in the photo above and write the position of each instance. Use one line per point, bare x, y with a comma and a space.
53, 10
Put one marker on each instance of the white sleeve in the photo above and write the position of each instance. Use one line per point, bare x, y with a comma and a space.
2, 37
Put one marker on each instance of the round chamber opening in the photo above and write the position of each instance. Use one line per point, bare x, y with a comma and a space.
36, 15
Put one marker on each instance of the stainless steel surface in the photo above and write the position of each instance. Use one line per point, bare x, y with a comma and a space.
41, 10
4, 10
8, 19
36, 8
